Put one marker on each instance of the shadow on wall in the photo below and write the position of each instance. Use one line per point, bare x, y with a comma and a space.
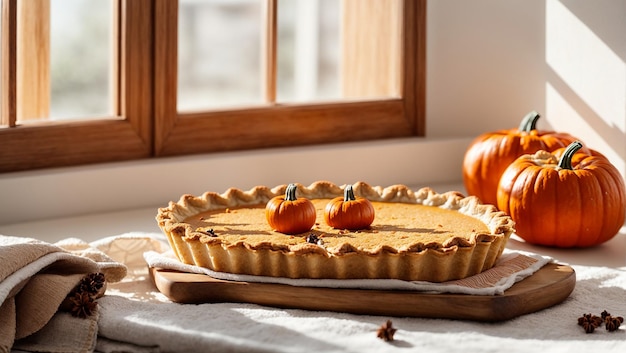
490, 62
586, 73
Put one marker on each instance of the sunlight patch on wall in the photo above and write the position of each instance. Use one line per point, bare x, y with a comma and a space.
562, 114
587, 65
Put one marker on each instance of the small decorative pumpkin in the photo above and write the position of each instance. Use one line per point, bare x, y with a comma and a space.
489, 154
288, 214
578, 200
349, 212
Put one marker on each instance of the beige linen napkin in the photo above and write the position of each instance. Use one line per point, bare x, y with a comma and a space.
35, 278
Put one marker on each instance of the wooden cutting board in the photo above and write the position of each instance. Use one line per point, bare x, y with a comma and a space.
549, 286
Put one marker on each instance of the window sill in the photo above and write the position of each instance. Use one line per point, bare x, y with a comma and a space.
68, 192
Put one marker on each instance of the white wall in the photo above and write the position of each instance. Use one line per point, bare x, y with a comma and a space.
486, 65
489, 63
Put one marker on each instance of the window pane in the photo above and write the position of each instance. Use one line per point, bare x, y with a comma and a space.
219, 53
338, 49
81, 53
308, 50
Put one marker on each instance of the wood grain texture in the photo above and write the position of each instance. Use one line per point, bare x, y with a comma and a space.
136, 78
414, 64
80, 142
286, 126
129, 136
33, 55
270, 46
145, 121
372, 48
8, 101
547, 287
279, 125
165, 70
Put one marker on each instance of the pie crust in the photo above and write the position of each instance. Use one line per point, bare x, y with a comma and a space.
416, 235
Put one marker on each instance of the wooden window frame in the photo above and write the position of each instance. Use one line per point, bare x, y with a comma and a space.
277, 125
147, 123
126, 135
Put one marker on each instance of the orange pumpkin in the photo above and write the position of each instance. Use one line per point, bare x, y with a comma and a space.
289, 214
349, 212
489, 154
564, 199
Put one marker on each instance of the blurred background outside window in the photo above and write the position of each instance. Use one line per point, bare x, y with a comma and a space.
221, 55
81, 58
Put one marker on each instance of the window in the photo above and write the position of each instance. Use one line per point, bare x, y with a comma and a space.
158, 56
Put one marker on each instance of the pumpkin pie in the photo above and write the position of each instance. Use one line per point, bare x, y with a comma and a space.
416, 235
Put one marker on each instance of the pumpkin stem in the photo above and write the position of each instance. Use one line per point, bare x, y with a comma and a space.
290, 193
348, 194
529, 122
566, 159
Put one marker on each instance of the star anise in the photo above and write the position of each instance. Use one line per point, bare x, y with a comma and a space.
92, 284
612, 323
386, 331
83, 304
81, 301
589, 322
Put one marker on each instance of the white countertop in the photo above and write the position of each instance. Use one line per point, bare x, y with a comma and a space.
601, 285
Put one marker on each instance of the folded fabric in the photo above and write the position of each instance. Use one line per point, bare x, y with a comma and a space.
135, 316
512, 267
35, 278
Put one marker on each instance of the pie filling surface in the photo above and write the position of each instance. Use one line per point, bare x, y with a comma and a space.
396, 226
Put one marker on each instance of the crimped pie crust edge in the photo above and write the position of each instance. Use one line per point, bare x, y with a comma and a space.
456, 258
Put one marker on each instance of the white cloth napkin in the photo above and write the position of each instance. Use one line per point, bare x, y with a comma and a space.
135, 317
512, 267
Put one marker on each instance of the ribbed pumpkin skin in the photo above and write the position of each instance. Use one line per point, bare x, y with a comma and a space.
349, 212
491, 153
579, 207
290, 215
